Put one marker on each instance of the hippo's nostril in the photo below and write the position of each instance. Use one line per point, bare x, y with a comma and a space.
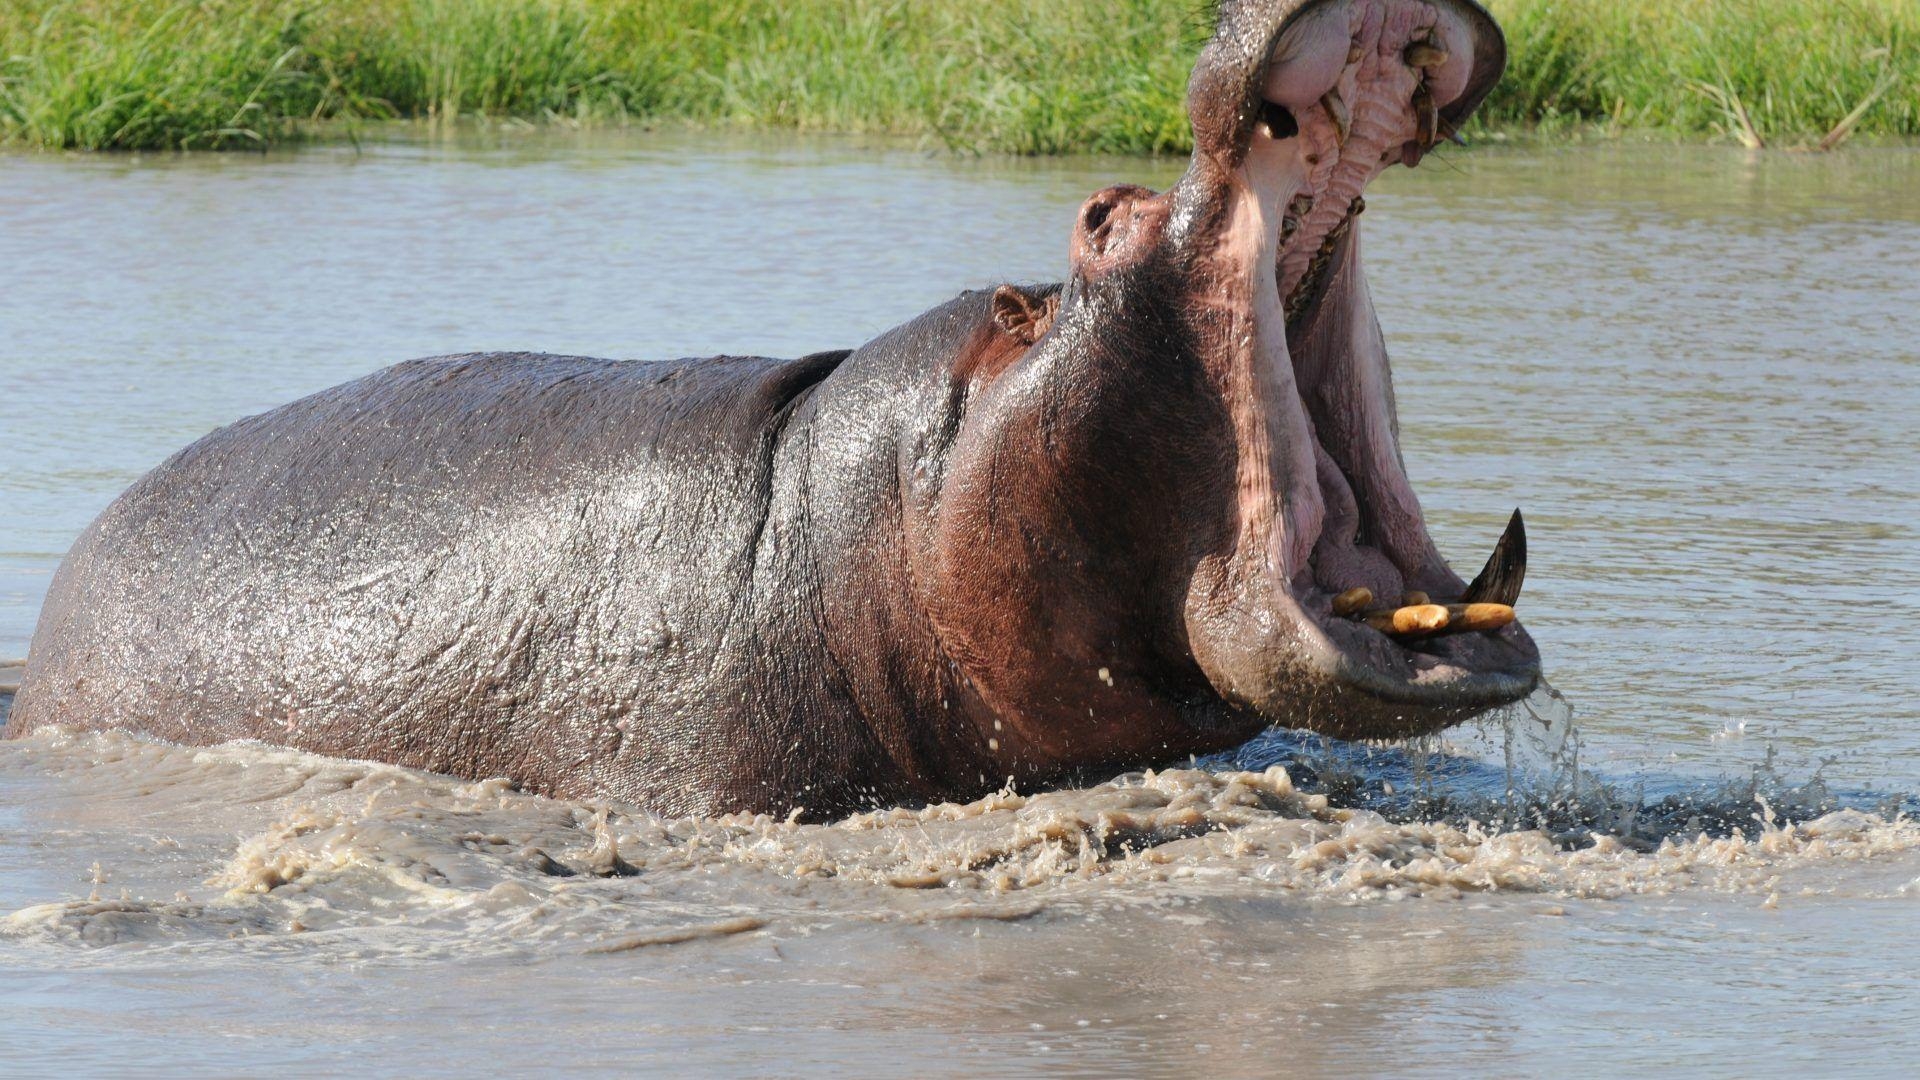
1095, 216
1111, 218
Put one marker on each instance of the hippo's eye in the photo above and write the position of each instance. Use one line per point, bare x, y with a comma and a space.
1280, 122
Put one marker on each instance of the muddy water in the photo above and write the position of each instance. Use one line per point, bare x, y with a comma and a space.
1694, 369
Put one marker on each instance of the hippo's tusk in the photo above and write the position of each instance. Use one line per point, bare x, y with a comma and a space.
1424, 54
1336, 107
1415, 598
1506, 570
1428, 115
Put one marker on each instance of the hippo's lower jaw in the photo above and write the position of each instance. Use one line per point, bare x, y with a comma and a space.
1351, 87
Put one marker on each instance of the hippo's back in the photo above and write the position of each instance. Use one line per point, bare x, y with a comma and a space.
464, 563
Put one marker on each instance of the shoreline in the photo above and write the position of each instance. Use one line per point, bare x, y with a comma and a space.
337, 134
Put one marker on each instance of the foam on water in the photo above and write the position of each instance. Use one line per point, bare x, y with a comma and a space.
344, 857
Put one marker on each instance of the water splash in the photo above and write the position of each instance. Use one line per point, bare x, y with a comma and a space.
1540, 784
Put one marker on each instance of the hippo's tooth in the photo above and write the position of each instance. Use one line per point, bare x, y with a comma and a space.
1336, 107
1413, 619
1424, 54
1353, 601
1415, 599
1499, 582
1465, 617
1297, 211
1471, 618
1431, 620
1428, 115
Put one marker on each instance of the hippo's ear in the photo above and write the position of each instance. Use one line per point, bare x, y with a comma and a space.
1023, 315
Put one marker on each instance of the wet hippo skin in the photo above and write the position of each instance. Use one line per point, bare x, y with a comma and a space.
1036, 529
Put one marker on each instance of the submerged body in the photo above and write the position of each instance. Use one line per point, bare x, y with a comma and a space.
1030, 531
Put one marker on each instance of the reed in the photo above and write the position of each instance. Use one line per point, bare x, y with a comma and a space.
1026, 76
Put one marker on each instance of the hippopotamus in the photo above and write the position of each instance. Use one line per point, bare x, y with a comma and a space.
1035, 531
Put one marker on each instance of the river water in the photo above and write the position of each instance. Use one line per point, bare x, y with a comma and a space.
1695, 369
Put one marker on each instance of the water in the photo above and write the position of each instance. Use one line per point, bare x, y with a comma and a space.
1694, 369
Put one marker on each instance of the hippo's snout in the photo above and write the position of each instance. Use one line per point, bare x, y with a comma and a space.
1296, 107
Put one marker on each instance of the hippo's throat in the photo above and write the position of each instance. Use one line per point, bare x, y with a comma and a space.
1315, 424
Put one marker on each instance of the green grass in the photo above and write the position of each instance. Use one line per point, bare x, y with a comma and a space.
1793, 69
1027, 76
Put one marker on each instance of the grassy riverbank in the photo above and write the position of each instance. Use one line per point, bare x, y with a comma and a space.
1028, 76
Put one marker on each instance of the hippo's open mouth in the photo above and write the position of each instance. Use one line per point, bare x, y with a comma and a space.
1350, 88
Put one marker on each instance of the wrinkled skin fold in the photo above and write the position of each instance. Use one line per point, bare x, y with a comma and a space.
1033, 530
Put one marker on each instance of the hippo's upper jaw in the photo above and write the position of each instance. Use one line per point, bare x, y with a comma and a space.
1296, 107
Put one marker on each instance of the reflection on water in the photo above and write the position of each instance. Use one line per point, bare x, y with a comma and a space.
1692, 368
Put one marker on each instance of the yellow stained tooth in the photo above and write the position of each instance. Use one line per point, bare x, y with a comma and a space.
1352, 601
1416, 619
1336, 107
1479, 616
1415, 598
1420, 618
1424, 54
1354, 52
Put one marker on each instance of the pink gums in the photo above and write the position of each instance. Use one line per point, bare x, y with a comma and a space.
1367, 529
